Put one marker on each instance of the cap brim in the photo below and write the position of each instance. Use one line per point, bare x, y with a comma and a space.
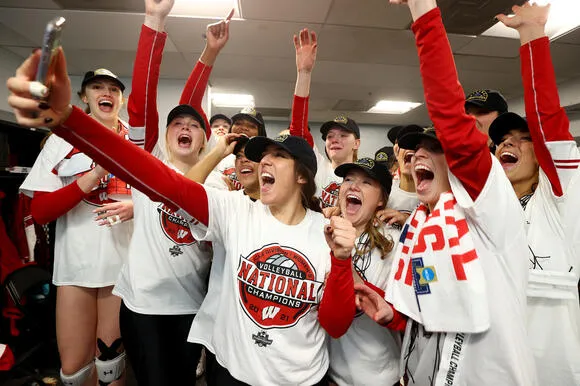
412, 140
220, 116
503, 124
344, 169
186, 110
247, 117
256, 147
393, 133
116, 80
240, 143
327, 126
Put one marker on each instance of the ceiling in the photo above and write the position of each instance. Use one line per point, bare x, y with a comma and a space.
366, 51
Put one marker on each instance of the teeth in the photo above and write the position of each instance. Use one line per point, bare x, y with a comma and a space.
107, 103
246, 170
267, 175
352, 196
509, 154
422, 167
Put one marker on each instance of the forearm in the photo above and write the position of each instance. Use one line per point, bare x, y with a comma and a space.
194, 90
299, 120
464, 146
337, 307
48, 206
142, 105
134, 166
203, 167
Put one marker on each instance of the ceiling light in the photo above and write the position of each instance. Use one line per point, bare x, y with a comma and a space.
232, 100
206, 9
563, 18
393, 107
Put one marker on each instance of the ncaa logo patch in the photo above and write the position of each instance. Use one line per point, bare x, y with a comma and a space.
277, 286
174, 226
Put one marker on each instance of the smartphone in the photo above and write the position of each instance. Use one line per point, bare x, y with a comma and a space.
50, 44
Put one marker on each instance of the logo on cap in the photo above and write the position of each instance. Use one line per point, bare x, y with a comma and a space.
341, 119
104, 72
366, 163
250, 111
382, 156
281, 138
479, 95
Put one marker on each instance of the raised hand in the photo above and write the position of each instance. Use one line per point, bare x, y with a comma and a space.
158, 8
226, 144
217, 34
392, 216
526, 15
306, 46
417, 7
31, 112
331, 211
340, 237
372, 304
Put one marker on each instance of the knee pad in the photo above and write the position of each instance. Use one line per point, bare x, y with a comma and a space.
78, 378
110, 364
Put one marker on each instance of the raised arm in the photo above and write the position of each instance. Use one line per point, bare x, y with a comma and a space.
306, 46
127, 161
547, 120
142, 106
217, 35
224, 147
465, 147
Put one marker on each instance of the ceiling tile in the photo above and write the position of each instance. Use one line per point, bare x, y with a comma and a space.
295, 11
491, 46
40, 4
369, 13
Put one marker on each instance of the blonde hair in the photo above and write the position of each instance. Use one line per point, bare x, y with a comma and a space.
377, 239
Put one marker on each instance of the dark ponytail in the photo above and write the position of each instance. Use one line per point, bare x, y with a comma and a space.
80, 94
309, 201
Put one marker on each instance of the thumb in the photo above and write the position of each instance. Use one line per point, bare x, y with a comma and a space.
503, 18
60, 70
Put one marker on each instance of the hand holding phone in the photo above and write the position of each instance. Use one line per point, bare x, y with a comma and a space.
50, 45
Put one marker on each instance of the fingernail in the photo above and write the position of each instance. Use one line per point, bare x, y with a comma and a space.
35, 50
47, 120
43, 106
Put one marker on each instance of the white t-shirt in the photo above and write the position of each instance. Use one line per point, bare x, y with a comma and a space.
368, 354
260, 316
327, 183
401, 200
227, 167
500, 355
553, 232
86, 254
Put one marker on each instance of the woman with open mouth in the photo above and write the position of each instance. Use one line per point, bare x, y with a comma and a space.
367, 353
541, 160
460, 271
275, 306
92, 209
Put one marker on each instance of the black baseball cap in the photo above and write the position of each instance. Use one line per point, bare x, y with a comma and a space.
383, 154
504, 123
220, 116
250, 114
240, 143
392, 134
296, 146
411, 140
343, 122
408, 130
186, 110
102, 73
490, 100
376, 170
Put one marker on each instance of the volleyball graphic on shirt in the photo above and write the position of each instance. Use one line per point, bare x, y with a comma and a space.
174, 227
277, 286
329, 195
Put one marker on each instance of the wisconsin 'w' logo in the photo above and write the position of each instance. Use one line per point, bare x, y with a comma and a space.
269, 312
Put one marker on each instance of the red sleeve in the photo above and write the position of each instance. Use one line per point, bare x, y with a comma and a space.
48, 206
547, 120
399, 321
135, 166
142, 105
465, 147
299, 122
195, 89
337, 307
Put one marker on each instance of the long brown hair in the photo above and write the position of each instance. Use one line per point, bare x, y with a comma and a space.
384, 243
309, 201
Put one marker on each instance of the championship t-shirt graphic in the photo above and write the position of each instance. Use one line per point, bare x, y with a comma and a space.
329, 195
277, 286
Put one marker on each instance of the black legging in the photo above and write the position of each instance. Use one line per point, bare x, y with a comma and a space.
157, 348
217, 375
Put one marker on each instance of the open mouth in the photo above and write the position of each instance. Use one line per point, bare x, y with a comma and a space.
424, 176
105, 105
247, 171
267, 181
184, 140
353, 203
408, 157
508, 160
